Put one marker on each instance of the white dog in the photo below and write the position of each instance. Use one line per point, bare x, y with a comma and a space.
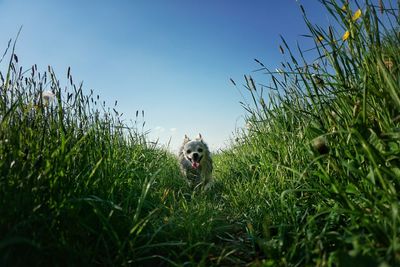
195, 161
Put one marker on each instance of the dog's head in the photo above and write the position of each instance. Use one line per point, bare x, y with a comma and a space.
194, 150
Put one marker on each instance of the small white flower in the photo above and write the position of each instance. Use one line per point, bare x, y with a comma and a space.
48, 96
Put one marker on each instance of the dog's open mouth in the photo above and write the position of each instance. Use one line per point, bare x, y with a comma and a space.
195, 163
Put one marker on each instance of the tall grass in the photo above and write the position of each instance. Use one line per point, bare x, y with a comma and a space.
323, 155
79, 187
75, 181
313, 181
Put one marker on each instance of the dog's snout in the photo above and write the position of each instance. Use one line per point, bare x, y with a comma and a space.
195, 156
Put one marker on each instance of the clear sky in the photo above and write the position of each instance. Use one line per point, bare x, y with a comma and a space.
171, 58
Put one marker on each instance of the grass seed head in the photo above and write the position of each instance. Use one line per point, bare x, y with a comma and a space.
318, 81
262, 102
281, 50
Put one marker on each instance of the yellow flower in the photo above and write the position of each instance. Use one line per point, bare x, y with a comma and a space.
346, 35
344, 7
356, 15
320, 38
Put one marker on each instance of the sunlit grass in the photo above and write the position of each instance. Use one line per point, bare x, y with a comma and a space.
323, 154
312, 181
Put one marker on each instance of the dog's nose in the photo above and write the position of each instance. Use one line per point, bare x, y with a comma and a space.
195, 156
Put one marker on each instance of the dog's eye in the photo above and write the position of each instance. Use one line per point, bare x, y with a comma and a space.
200, 150
188, 151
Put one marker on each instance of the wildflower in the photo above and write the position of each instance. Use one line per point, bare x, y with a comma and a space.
356, 15
47, 96
320, 38
346, 35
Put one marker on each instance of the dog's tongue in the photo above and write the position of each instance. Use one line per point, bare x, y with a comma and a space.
195, 165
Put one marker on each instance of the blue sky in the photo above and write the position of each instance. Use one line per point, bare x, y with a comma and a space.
173, 59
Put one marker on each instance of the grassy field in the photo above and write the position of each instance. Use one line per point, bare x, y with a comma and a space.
312, 181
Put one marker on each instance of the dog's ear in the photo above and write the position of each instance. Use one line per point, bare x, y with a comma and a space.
186, 139
199, 137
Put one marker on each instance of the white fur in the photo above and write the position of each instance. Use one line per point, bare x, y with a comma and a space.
195, 161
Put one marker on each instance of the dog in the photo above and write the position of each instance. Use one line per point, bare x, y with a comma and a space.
195, 161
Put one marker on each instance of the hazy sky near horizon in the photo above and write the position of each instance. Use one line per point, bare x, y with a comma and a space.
173, 59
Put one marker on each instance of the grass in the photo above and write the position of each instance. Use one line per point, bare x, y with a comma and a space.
313, 181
